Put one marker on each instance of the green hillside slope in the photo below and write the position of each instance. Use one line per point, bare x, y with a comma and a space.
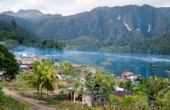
6, 26
104, 26
110, 26
159, 45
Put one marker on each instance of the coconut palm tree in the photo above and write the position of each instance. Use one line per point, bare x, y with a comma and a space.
168, 73
128, 86
34, 76
39, 73
32, 80
48, 79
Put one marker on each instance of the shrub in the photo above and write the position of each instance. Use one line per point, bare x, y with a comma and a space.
59, 97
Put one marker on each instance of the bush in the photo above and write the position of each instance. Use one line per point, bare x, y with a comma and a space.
59, 97
69, 96
8, 103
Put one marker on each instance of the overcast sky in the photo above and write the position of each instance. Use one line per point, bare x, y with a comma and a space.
68, 7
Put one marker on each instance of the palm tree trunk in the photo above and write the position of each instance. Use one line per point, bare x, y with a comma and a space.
41, 92
38, 91
47, 91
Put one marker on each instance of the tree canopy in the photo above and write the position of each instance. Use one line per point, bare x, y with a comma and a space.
8, 63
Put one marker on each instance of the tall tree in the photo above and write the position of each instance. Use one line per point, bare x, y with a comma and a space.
48, 79
41, 76
14, 25
8, 63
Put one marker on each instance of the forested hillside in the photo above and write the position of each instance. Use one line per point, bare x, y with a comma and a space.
14, 35
6, 27
83, 43
165, 11
110, 26
159, 45
102, 27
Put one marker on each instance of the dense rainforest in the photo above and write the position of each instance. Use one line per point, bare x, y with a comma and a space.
159, 45
102, 28
156, 45
13, 35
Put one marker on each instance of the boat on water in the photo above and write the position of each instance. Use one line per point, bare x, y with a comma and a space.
56, 59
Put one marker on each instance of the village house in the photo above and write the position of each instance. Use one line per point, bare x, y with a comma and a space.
123, 93
1, 75
81, 98
27, 62
139, 77
61, 80
131, 76
126, 75
78, 66
42, 58
30, 66
23, 68
85, 98
58, 72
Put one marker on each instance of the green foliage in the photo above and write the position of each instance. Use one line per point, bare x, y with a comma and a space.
130, 102
48, 62
128, 86
8, 64
83, 43
41, 76
59, 97
66, 64
8, 103
6, 28
168, 73
100, 28
52, 44
153, 87
159, 45
121, 84
69, 105
14, 24
24, 36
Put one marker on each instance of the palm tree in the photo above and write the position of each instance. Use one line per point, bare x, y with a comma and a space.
41, 76
48, 78
121, 84
168, 73
34, 76
128, 86
39, 73
32, 79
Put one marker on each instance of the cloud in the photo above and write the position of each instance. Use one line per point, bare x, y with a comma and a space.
67, 7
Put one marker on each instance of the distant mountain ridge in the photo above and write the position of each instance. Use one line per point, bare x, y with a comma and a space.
165, 11
107, 26
24, 13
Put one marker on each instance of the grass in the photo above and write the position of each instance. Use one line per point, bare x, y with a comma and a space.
9, 103
27, 91
66, 105
24, 90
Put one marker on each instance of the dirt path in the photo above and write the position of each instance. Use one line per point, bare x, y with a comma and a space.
33, 102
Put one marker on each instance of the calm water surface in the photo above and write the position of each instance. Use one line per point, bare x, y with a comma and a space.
131, 62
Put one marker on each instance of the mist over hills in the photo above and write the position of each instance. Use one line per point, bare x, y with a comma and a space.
106, 26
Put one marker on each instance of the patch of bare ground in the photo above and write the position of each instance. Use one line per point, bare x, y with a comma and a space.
33, 102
